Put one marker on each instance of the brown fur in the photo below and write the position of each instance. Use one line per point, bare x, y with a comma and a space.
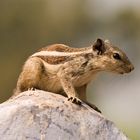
55, 60
71, 73
62, 48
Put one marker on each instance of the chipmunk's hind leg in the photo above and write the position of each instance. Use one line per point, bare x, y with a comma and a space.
30, 75
93, 106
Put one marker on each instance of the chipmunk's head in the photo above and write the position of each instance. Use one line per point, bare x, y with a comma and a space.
111, 58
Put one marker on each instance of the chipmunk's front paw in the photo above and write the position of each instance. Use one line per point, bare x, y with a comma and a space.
32, 89
74, 100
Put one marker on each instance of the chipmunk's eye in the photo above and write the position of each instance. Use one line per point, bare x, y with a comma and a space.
116, 56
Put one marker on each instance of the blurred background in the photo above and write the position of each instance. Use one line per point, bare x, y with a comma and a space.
27, 25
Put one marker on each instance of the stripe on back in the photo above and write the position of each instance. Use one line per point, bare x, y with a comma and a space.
60, 53
55, 59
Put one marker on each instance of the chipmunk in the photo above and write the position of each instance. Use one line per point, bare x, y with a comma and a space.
64, 70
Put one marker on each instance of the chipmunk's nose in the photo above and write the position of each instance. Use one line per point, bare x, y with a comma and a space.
131, 67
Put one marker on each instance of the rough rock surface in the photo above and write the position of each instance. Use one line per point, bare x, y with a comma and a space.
40, 115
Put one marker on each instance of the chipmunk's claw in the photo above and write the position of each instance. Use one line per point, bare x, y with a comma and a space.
74, 100
32, 89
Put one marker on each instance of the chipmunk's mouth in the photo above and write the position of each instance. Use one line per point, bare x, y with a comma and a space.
120, 72
125, 69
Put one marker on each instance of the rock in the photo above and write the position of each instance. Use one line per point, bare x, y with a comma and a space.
40, 115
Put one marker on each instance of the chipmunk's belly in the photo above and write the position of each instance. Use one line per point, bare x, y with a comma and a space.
51, 83
83, 79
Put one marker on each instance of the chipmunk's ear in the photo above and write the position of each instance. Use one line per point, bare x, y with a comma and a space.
99, 46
